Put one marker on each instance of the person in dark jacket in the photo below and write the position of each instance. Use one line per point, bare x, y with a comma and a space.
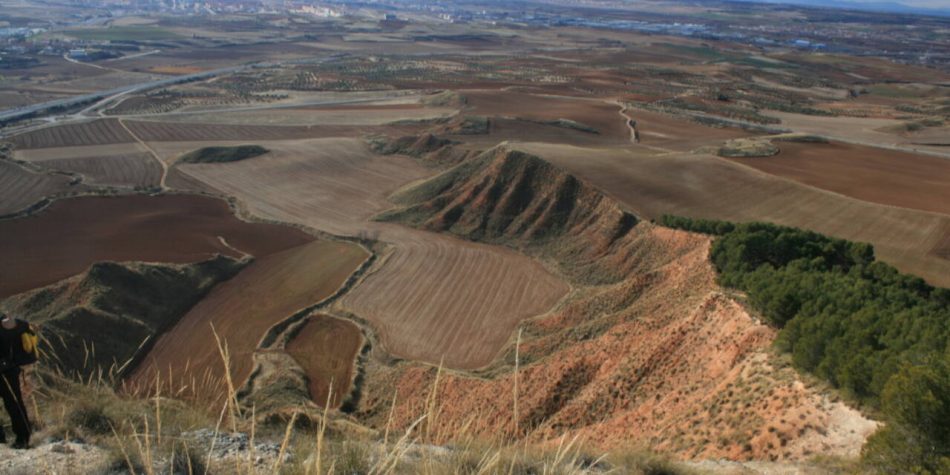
11, 331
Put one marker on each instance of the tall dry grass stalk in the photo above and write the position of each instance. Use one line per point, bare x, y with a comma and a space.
514, 411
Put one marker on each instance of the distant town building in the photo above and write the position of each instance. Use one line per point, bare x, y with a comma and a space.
78, 54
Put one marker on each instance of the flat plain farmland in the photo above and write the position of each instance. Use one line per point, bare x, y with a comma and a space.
134, 170
366, 115
169, 228
867, 173
240, 311
326, 349
433, 296
96, 132
705, 186
334, 185
20, 188
150, 131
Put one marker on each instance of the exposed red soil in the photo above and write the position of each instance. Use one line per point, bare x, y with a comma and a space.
326, 348
187, 360
64, 239
866, 173
96, 132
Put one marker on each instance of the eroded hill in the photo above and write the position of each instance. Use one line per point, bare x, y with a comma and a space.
646, 350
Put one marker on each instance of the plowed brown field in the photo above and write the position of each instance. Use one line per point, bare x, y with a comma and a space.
705, 186
434, 296
20, 188
438, 298
326, 348
241, 310
96, 132
71, 234
866, 173
113, 170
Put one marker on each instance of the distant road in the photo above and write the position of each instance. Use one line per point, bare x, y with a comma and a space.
26, 111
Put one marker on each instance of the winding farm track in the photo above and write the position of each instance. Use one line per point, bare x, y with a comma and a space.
151, 151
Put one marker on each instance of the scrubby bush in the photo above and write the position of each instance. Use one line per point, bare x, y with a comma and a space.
880, 336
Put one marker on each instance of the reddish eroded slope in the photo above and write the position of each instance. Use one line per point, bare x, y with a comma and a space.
657, 355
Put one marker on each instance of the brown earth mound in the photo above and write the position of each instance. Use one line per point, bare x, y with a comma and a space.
71, 234
655, 355
326, 348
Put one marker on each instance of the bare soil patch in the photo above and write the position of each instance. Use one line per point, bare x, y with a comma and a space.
872, 174
326, 348
64, 239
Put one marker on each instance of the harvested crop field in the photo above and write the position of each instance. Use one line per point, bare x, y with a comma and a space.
170, 228
434, 296
440, 299
96, 132
331, 184
867, 173
196, 132
20, 188
241, 310
326, 348
706, 186
135, 170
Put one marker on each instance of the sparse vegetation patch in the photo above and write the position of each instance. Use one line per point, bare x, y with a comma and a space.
223, 154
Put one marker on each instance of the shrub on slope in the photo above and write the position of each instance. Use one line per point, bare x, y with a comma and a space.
223, 154
881, 336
